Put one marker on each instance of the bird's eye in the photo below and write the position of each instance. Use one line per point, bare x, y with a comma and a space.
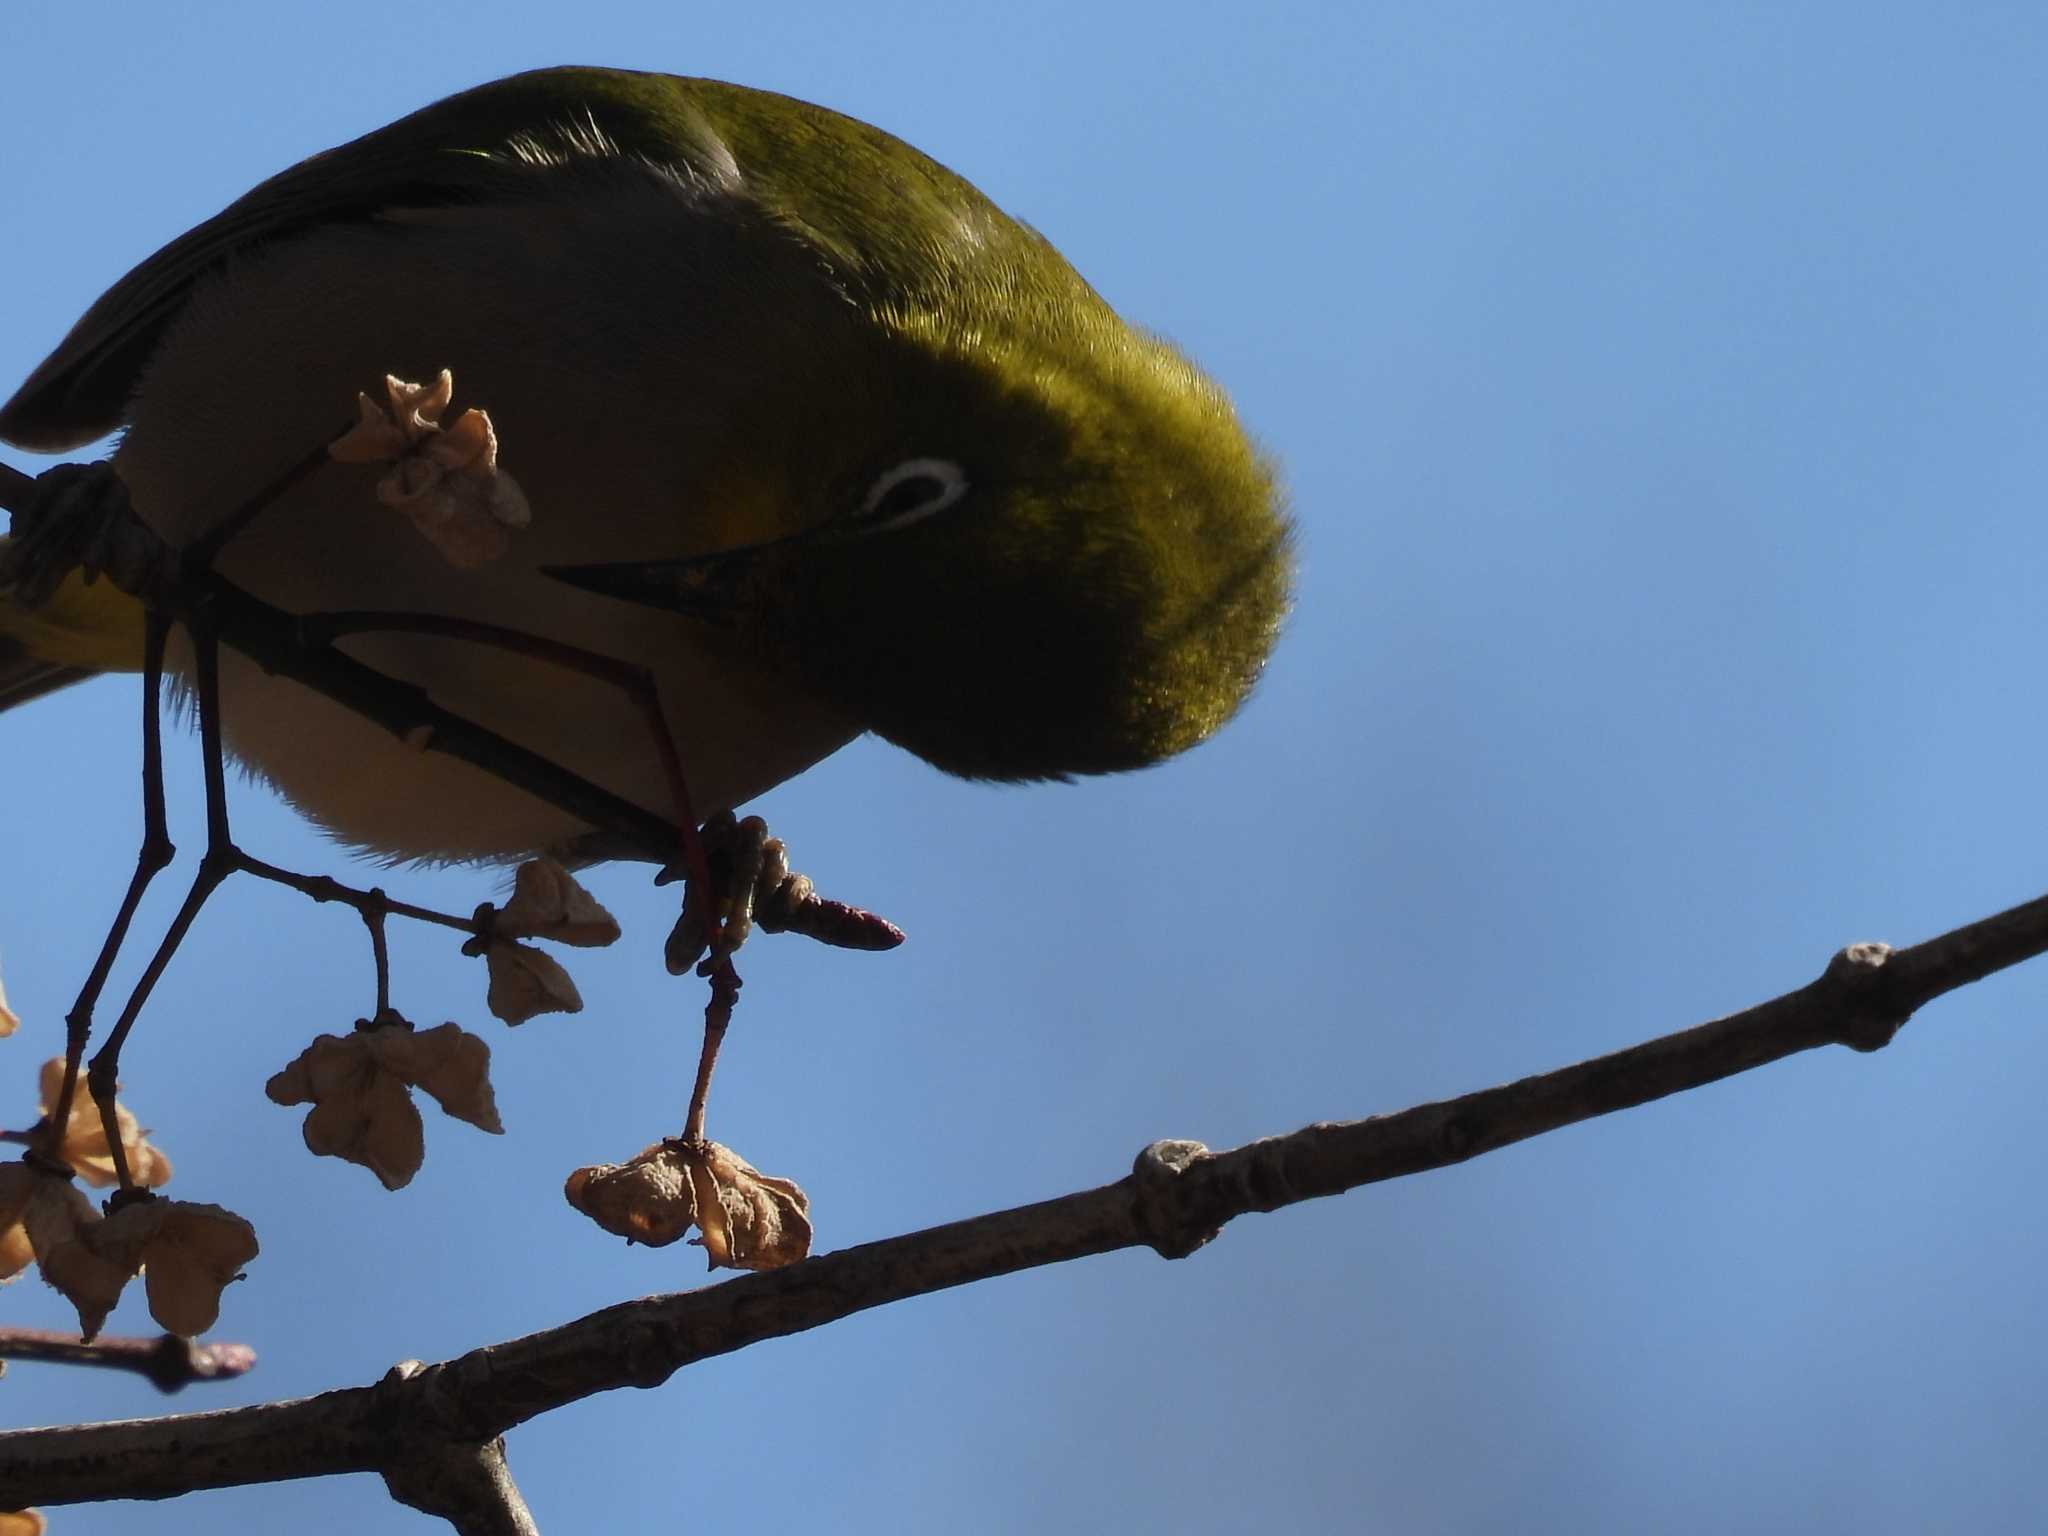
914, 489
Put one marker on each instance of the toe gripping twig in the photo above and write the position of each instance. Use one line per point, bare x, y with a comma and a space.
78, 516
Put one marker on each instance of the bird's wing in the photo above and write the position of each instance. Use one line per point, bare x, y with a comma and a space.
500, 142
25, 675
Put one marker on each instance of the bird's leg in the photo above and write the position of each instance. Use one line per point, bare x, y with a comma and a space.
735, 876
748, 849
749, 883
156, 852
221, 859
214, 866
78, 517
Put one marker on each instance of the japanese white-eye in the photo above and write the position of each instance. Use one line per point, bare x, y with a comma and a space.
807, 426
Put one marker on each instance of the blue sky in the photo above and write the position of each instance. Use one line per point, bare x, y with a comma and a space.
1659, 390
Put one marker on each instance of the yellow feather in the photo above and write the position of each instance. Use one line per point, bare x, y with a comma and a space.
94, 626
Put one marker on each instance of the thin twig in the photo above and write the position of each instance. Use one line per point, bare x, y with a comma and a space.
201, 553
370, 904
631, 679
171, 1363
725, 992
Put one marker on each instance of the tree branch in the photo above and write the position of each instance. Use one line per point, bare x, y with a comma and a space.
1177, 1197
167, 1361
468, 1484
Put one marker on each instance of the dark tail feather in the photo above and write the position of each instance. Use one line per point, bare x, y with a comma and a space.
24, 677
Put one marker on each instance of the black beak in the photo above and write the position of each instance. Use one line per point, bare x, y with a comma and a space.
703, 586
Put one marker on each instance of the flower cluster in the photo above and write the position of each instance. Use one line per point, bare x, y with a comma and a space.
445, 480
360, 1086
191, 1252
747, 1219
546, 903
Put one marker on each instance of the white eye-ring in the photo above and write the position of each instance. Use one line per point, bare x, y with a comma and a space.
913, 490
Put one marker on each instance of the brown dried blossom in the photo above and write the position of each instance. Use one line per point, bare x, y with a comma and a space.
525, 982
9, 1023
85, 1145
187, 1252
548, 903
22, 1522
57, 1218
445, 480
747, 1219
360, 1088
25, 1184
18, 1181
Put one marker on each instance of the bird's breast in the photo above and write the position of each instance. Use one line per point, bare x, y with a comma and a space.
605, 385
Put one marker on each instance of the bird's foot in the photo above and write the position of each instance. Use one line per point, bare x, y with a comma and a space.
79, 519
755, 887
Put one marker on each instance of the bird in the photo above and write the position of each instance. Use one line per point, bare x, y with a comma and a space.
805, 426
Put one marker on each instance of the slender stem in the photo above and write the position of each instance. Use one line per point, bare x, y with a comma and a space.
725, 991
368, 903
380, 950
639, 686
326, 628
198, 556
167, 1360
635, 681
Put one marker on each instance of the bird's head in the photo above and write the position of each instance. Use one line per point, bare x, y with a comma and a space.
1032, 542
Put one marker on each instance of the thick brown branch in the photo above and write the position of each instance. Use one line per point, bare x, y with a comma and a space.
1178, 1196
468, 1485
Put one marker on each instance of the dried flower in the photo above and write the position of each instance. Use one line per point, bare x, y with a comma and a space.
524, 982
189, 1253
85, 1145
9, 1023
360, 1088
57, 1219
548, 903
446, 481
748, 1220
17, 1185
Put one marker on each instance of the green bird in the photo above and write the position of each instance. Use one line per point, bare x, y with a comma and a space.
806, 427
